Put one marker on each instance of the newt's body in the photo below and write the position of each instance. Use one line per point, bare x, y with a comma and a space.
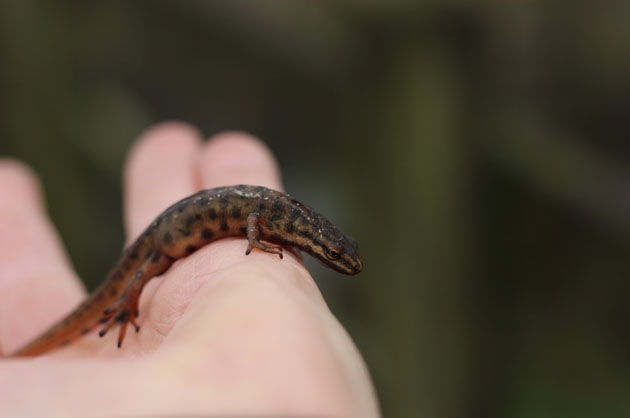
252, 211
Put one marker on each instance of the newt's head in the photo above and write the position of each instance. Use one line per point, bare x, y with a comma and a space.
341, 255
330, 247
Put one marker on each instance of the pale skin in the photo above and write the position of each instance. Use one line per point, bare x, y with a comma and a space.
222, 333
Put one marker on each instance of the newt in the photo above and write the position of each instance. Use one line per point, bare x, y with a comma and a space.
269, 219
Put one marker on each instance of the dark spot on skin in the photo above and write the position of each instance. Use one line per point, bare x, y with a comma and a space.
64, 343
275, 217
133, 255
244, 230
149, 251
289, 227
190, 249
198, 216
224, 226
103, 320
85, 331
261, 206
118, 276
190, 221
236, 213
223, 203
113, 291
305, 233
167, 238
156, 256
99, 295
295, 214
277, 206
206, 233
181, 207
242, 197
307, 248
185, 232
212, 214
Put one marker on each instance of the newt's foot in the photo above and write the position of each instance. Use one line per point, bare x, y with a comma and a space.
125, 309
123, 313
269, 248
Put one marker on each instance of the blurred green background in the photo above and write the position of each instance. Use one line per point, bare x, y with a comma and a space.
478, 150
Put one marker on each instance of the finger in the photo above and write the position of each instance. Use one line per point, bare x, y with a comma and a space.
159, 172
237, 158
37, 284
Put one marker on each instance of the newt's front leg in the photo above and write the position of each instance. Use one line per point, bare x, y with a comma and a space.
253, 236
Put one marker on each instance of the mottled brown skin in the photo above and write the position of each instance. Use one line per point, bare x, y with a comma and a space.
268, 218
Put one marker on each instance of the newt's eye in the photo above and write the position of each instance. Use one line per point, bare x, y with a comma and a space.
333, 253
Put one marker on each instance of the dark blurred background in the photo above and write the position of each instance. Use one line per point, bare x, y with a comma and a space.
478, 150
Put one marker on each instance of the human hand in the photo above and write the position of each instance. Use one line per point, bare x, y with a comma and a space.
222, 333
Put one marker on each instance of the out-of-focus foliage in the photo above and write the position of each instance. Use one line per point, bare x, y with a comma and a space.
477, 150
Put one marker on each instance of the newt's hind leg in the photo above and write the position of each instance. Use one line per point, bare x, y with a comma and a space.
125, 310
253, 237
